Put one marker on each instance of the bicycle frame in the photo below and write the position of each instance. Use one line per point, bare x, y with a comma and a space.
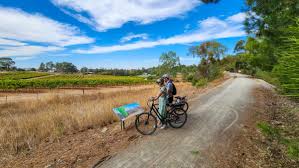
154, 109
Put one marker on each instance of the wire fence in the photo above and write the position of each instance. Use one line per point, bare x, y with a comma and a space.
12, 97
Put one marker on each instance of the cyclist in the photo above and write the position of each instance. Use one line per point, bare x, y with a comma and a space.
162, 96
170, 88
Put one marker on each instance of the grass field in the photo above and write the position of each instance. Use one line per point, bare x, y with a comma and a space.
16, 80
25, 124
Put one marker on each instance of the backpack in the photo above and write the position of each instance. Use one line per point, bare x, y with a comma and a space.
173, 89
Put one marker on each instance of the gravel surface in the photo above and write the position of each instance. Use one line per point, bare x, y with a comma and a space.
211, 114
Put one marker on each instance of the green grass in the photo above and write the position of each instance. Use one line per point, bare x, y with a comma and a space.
291, 144
268, 130
195, 152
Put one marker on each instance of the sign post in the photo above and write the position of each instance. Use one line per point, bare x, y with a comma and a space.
126, 111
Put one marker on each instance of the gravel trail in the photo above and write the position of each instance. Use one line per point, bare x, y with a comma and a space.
211, 114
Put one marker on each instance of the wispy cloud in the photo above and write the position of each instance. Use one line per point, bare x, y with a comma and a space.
108, 14
132, 36
187, 28
7, 42
29, 50
209, 29
24, 58
19, 29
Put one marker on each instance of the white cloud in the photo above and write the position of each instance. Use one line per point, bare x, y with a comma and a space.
187, 28
24, 51
132, 36
209, 29
7, 42
21, 26
238, 18
24, 58
107, 14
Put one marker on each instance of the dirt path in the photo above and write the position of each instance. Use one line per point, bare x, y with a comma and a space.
211, 115
40, 77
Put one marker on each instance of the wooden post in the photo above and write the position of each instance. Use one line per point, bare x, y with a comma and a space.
122, 124
83, 91
6, 98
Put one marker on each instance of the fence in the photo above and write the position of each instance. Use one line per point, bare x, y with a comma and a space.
11, 97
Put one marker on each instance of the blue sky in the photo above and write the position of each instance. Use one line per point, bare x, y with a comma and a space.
114, 33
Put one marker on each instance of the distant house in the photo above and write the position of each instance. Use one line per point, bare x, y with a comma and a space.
146, 75
52, 70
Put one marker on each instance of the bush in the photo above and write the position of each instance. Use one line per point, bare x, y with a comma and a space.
201, 83
214, 72
268, 77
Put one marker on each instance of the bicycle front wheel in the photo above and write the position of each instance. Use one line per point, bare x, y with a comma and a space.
146, 123
178, 118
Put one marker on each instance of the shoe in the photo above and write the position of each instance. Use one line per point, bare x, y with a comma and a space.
163, 126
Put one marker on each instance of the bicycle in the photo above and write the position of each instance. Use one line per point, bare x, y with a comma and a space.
182, 101
146, 123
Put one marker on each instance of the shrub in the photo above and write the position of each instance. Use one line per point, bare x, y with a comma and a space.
201, 82
268, 77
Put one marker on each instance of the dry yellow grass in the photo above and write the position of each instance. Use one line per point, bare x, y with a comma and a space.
25, 124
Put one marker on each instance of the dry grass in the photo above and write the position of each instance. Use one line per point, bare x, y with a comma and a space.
25, 124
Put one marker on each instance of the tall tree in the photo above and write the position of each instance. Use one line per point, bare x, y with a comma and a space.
169, 61
66, 67
6, 63
84, 70
240, 46
50, 66
42, 67
210, 51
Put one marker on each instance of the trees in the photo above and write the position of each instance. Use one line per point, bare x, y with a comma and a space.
287, 69
84, 70
50, 66
42, 67
6, 63
169, 61
266, 18
273, 45
267, 21
66, 67
210, 53
63, 67
240, 47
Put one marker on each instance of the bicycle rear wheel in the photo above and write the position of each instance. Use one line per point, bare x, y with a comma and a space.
185, 106
146, 123
178, 118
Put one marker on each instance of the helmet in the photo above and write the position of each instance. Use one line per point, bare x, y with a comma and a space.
166, 76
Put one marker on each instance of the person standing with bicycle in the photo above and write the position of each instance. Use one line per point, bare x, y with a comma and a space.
171, 90
147, 122
162, 96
